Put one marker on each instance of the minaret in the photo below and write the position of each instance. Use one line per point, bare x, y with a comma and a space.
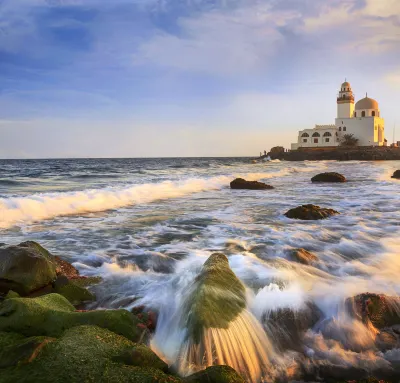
345, 101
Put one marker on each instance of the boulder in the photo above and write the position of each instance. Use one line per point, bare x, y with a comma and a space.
396, 174
240, 183
49, 315
378, 309
302, 256
88, 354
65, 268
215, 374
310, 212
329, 177
217, 297
25, 268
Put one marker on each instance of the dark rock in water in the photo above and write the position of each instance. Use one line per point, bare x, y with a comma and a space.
287, 327
65, 268
51, 314
216, 374
396, 174
25, 268
302, 256
240, 183
218, 297
378, 309
88, 354
310, 212
329, 177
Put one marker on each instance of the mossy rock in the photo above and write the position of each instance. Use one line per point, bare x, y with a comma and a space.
216, 299
215, 374
51, 314
141, 356
84, 354
302, 256
74, 293
329, 177
16, 349
25, 268
310, 212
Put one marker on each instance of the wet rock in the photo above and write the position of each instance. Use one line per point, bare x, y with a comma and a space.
88, 354
65, 268
216, 374
51, 314
396, 174
302, 256
218, 297
25, 268
310, 212
240, 183
287, 326
378, 309
387, 340
329, 177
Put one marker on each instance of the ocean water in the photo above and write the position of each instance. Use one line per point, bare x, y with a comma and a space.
147, 226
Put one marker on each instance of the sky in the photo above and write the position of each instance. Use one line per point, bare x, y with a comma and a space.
169, 78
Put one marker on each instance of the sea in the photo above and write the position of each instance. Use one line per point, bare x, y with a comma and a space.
146, 226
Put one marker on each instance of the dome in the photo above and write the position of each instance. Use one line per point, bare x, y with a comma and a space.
367, 103
346, 85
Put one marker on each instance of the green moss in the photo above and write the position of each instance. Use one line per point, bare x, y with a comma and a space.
218, 297
84, 354
75, 294
12, 294
216, 374
85, 281
51, 314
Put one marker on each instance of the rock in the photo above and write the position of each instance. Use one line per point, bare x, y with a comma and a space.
329, 177
240, 183
141, 356
25, 268
87, 354
65, 268
218, 297
310, 212
215, 374
51, 314
74, 293
16, 349
302, 256
378, 309
396, 174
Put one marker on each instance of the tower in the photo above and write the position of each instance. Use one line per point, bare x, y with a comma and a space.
345, 101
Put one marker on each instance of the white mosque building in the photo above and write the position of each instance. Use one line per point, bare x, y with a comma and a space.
362, 120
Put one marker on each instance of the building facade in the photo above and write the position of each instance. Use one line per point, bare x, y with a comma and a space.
363, 120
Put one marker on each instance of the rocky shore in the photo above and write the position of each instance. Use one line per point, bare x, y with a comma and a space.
338, 154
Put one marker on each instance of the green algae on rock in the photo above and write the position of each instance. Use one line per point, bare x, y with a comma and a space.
25, 268
217, 297
216, 374
51, 314
86, 354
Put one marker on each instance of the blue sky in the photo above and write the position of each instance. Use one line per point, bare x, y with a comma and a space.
134, 78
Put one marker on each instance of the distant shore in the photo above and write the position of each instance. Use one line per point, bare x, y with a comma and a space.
381, 153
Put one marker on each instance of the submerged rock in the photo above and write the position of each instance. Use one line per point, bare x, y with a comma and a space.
302, 256
310, 212
217, 299
329, 177
89, 354
240, 183
378, 309
396, 174
51, 314
216, 374
25, 268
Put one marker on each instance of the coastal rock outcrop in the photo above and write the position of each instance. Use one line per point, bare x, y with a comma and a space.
396, 174
310, 212
216, 374
302, 256
329, 177
25, 268
240, 183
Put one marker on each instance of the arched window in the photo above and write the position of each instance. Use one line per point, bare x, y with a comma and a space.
363, 113
373, 113
340, 128
327, 134
355, 114
305, 135
344, 129
316, 134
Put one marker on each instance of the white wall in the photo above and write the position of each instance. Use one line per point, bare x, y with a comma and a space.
363, 128
333, 140
345, 110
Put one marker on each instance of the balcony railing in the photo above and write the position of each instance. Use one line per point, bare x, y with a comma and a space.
345, 98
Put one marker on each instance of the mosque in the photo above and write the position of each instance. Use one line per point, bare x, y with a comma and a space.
363, 120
